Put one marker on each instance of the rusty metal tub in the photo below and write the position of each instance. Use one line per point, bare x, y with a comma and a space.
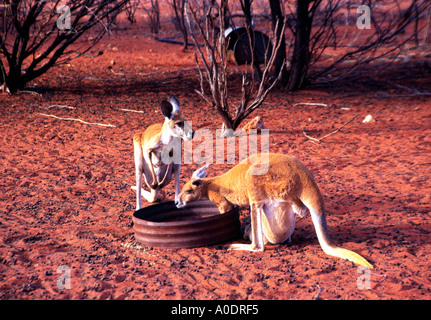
198, 224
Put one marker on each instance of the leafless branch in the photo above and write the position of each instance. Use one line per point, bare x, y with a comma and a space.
33, 37
78, 120
214, 61
319, 140
388, 36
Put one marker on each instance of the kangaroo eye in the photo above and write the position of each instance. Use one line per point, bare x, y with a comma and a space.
189, 191
180, 124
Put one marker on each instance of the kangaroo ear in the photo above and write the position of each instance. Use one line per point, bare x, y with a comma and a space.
197, 182
200, 173
175, 104
167, 109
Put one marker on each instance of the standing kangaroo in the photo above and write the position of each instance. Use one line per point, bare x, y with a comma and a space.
149, 148
275, 198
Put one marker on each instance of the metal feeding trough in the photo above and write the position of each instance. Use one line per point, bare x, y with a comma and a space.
238, 43
198, 224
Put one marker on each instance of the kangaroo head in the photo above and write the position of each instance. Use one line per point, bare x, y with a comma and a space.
176, 125
193, 189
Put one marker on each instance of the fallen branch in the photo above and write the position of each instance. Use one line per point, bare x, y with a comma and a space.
116, 73
318, 140
177, 42
379, 275
79, 120
56, 106
318, 293
165, 72
131, 110
387, 95
321, 105
87, 79
411, 90
29, 92
311, 104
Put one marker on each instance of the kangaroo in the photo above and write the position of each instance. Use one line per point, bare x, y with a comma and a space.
275, 198
149, 148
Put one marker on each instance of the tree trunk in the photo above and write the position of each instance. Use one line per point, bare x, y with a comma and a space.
179, 9
183, 26
427, 38
277, 15
301, 50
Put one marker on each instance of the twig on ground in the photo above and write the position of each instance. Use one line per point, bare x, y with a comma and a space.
318, 140
387, 95
177, 42
321, 105
79, 120
318, 293
30, 92
380, 275
56, 106
116, 73
87, 79
413, 91
311, 104
130, 110
180, 71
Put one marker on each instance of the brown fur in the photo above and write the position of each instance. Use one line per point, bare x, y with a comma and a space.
148, 147
275, 198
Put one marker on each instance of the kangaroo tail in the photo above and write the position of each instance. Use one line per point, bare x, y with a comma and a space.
319, 221
349, 255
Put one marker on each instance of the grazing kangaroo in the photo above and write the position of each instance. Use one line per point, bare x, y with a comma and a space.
149, 152
286, 190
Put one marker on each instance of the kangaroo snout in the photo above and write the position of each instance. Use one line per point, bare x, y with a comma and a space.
190, 134
180, 205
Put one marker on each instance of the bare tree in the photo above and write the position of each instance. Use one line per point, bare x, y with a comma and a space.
427, 37
388, 37
277, 14
179, 7
130, 10
153, 12
38, 34
215, 68
314, 27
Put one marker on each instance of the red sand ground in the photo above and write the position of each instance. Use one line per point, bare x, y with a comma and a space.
66, 200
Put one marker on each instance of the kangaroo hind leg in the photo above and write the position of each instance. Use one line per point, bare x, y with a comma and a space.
139, 170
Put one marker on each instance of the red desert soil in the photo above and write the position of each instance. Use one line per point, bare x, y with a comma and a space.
65, 195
